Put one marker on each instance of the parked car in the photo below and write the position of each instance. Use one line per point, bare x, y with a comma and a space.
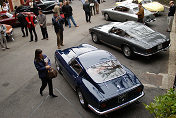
131, 37
126, 12
45, 5
101, 82
11, 19
153, 6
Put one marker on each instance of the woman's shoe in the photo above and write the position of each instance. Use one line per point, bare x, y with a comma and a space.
41, 93
53, 95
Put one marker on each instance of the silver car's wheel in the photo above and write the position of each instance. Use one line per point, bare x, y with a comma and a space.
106, 17
95, 38
81, 99
127, 52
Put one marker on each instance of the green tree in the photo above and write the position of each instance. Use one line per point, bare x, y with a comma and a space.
164, 106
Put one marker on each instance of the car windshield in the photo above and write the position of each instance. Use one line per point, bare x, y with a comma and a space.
140, 31
146, 1
106, 71
9, 15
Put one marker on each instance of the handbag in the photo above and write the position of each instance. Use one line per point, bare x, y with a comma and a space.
52, 73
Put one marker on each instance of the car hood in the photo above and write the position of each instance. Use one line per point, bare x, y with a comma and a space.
154, 6
118, 85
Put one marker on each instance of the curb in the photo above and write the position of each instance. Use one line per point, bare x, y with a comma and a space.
172, 57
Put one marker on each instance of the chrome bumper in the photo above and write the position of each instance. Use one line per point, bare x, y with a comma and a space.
115, 108
152, 53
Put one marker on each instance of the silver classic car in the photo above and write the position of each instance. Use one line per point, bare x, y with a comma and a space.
131, 37
126, 12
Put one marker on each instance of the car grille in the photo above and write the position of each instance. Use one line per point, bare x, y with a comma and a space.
121, 99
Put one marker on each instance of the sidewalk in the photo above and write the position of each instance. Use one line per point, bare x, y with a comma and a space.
172, 58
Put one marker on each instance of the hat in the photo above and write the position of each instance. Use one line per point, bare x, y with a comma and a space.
171, 2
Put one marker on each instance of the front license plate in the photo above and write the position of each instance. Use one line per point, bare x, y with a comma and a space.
160, 46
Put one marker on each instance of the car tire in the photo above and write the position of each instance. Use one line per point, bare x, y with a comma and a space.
58, 67
82, 100
127, 51
95, 38
106, 17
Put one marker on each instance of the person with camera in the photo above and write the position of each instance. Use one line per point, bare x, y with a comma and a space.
31, 26
58, 21
3, 39
42, 64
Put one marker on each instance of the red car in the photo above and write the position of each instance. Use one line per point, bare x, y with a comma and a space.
11, 19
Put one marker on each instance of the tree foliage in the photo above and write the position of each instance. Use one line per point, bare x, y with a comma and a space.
164, 106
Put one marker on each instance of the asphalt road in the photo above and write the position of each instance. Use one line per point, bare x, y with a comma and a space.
19, 82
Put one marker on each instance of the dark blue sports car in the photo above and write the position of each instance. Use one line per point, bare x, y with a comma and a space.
101, 82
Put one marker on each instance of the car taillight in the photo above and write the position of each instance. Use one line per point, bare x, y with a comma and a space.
149, 50
139, 89
103, 105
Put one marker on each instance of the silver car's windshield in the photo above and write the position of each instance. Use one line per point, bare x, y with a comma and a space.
105, 71
146, 1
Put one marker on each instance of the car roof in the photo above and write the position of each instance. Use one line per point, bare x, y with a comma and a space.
135, 29
94, 57
73, 52
128, 5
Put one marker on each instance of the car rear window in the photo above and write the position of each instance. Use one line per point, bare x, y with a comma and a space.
140, 31
106, 71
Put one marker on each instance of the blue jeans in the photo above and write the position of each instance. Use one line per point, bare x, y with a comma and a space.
68, 19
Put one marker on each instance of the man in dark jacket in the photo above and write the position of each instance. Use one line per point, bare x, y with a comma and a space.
69, 14
57, 21
170, 17
23, 23
86, 8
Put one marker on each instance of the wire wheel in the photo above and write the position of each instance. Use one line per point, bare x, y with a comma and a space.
106, 17
95, 38
127, 52
81, 99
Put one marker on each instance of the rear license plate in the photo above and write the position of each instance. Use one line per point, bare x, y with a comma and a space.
160, 46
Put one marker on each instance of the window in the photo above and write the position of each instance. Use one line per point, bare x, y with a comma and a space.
117, 31
76, 66
106, 71
121, 8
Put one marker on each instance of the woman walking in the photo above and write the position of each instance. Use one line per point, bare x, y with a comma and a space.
42, 64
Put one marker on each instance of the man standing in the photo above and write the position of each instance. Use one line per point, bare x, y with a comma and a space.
3, 39
170, 17
68, 11
23, 23
86, 8
140, 13
57, 21
42, 23
31, 25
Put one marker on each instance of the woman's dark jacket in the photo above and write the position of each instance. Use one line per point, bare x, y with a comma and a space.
40, 66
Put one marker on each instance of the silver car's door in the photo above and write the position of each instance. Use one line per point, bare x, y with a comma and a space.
116, 14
